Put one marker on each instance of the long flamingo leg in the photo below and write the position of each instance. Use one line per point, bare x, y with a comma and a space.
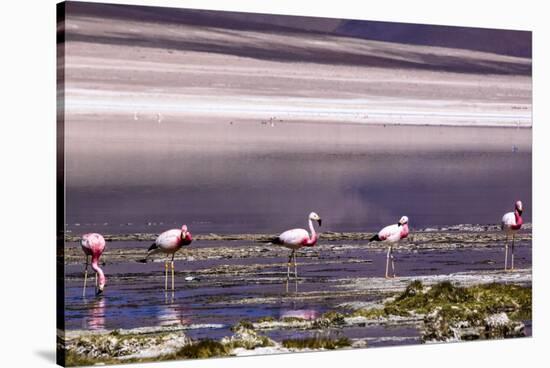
172, 263
288, 269
85, 277
388, 261
288, 265
295, 275
392, 262
166, 275
506, 253
513, 243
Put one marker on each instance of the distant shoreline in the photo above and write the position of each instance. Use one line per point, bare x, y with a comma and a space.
327, 235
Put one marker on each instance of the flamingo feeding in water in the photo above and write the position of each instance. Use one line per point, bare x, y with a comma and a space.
93, 245
511, 223
169, 242
392, 234
297, 238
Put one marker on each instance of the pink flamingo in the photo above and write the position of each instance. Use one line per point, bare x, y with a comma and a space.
511, 223
392, 234
169, 242
93, 245
295, 239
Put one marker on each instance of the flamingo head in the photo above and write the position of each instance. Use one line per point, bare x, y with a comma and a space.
315, 217
519, 207
100, 289
186, 235
101, 283
84, 240
403, 220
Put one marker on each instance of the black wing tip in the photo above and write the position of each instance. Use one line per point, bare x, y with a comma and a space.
374, 238
275, 240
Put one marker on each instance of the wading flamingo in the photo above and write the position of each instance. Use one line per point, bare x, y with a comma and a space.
169, 242
511, 223
295, 239
93, 245
392, 234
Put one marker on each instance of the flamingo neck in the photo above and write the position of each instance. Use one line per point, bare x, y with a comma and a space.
404, 231
313, 237
187, 239
519, 220
96, 268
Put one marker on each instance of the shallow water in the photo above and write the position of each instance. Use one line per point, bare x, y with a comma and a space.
252, 286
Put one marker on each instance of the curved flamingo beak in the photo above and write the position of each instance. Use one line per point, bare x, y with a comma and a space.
100, 290
319, 221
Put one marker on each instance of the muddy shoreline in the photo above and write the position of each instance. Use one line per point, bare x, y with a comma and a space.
235, 246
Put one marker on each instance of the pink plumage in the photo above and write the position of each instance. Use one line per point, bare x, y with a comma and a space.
511, 223
169, 242
392, 234
297, 238
93, 245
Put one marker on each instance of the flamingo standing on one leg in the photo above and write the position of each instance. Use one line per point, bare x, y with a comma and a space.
511, 223
392, 234
93, 245
169, 242
295, 239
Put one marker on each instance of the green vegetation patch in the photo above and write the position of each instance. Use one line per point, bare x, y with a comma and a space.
462, 302
203, 349
291, 319
246, 324
317, 343
73, 359
266, 319
373, 313
258, 341
334, 317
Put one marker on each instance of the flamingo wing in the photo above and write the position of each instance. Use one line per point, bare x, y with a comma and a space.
390, 232
93, 243
294, 237
510, 222
509, 219
169, 240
